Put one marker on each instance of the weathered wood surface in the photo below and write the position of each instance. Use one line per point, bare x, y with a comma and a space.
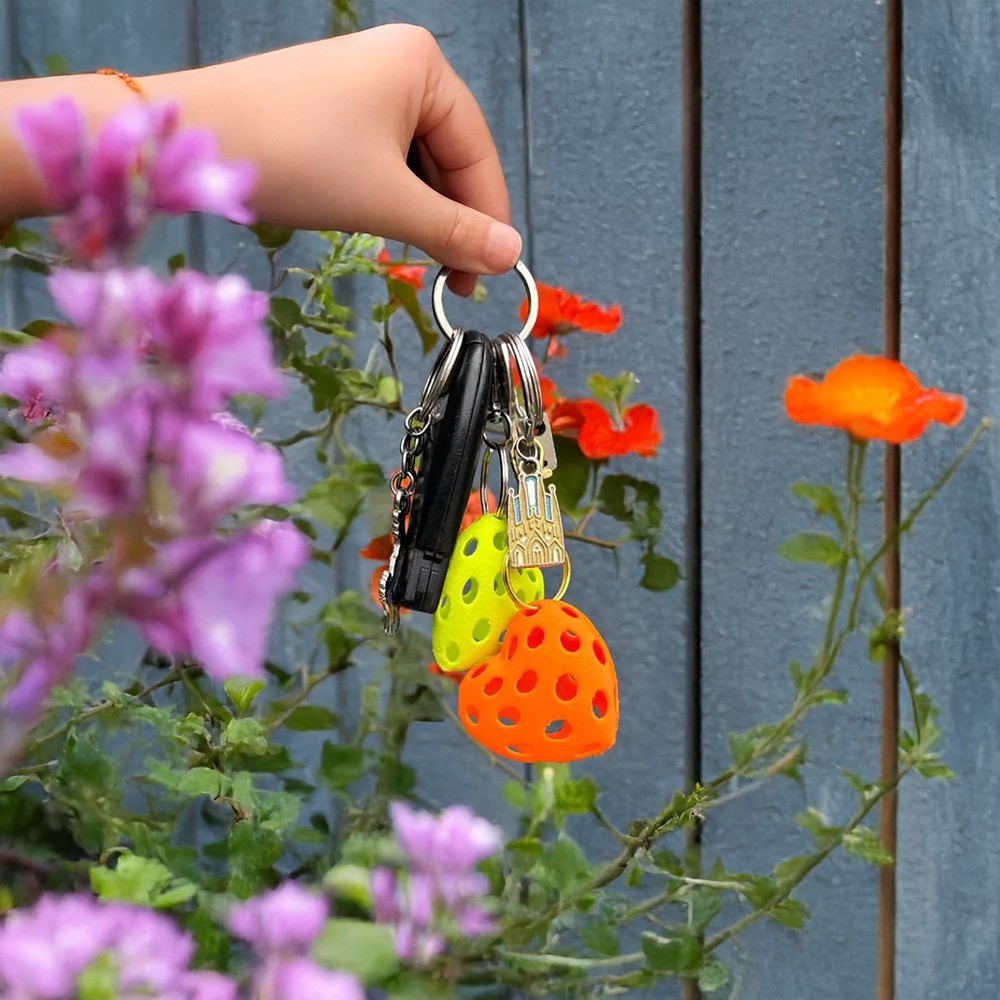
949, 858
792, 281
586, 110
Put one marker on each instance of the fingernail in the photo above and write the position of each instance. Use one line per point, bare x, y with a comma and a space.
503, 247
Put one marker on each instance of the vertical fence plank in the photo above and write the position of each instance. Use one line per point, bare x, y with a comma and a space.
949, 861
791, 281
606, 213
481, 42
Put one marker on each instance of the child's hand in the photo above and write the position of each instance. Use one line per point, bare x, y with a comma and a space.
329, 125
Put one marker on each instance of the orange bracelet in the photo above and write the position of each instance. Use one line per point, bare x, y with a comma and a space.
130, 81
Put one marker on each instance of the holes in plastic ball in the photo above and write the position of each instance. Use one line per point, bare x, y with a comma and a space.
527, 681
493, 685
600, 653
535, 638
512, 647
600, 705
500, 541
470, 590
472, 714
452, 652
508, 716
479, 670
498, 587
515, 750
470, 546
531, 612
570, 641
558, 729
567, 610
566, 687
481, 630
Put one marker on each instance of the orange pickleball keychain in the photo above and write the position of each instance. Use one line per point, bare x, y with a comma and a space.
550, 693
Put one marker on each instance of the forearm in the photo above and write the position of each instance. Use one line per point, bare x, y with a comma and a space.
22, 193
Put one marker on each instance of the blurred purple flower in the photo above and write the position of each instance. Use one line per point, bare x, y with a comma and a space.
140, 163
188, 176
286, 920
214, 597
37, 375
303, 979
43, 950
441, 889
53, 136
212, 329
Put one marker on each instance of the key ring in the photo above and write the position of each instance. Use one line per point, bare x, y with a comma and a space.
440, 376
511, 345
437, 301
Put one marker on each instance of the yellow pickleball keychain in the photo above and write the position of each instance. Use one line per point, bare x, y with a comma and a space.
475, 607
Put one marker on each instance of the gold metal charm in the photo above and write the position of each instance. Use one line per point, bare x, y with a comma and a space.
534, 525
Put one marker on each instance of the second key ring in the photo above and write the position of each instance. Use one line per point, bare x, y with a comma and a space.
437, 301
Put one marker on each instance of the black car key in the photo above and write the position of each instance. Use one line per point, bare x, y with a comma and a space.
444, 445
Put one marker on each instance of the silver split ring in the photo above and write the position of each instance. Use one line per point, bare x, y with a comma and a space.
437, 301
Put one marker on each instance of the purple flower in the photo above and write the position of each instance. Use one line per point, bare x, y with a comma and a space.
44, 949
453, 843
188, 176
212, 329
286, 920
36, 375
303, 979
53, 135
215, 469
214, 597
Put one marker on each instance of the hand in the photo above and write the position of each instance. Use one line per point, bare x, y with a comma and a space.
329, 125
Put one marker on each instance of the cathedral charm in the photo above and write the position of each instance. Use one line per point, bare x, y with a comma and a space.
534, 525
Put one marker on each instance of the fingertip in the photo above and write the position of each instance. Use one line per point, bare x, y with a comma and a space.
503, 248
461, 283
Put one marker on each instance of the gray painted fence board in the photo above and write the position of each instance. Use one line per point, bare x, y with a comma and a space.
605, 195
481, 44
949, 861
792, 272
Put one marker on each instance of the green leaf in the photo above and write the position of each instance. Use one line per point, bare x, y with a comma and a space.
143, 881
930, 767
741, 748
285, 313
680, 952
565, 865
406, 296
825, 502
242, 692
201, 781
790, 913
13, 782
365, 950
576, 795
634, 502
572, 474
245, 736
516, 795
349, 883
816, 823
812, 547
336, 501
659, 573
713, 976
601, 937
340, 766
863, 843
252, 852
612, 391
310, 718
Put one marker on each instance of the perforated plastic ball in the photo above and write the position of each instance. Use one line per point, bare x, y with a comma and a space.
550, 694
475, 607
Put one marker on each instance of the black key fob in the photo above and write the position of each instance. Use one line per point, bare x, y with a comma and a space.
445, 473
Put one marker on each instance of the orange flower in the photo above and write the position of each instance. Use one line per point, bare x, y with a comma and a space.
550, 393
453, 675
872, 398
409, 274
561, 312
378, 549
596, 433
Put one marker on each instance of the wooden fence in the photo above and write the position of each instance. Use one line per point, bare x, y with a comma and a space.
723, 170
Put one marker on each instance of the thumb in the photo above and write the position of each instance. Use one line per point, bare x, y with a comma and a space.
456, 235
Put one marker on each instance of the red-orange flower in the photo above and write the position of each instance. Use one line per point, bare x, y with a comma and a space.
453, 675
410, 274
596, 433
560, 312
872, 398
378, 549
